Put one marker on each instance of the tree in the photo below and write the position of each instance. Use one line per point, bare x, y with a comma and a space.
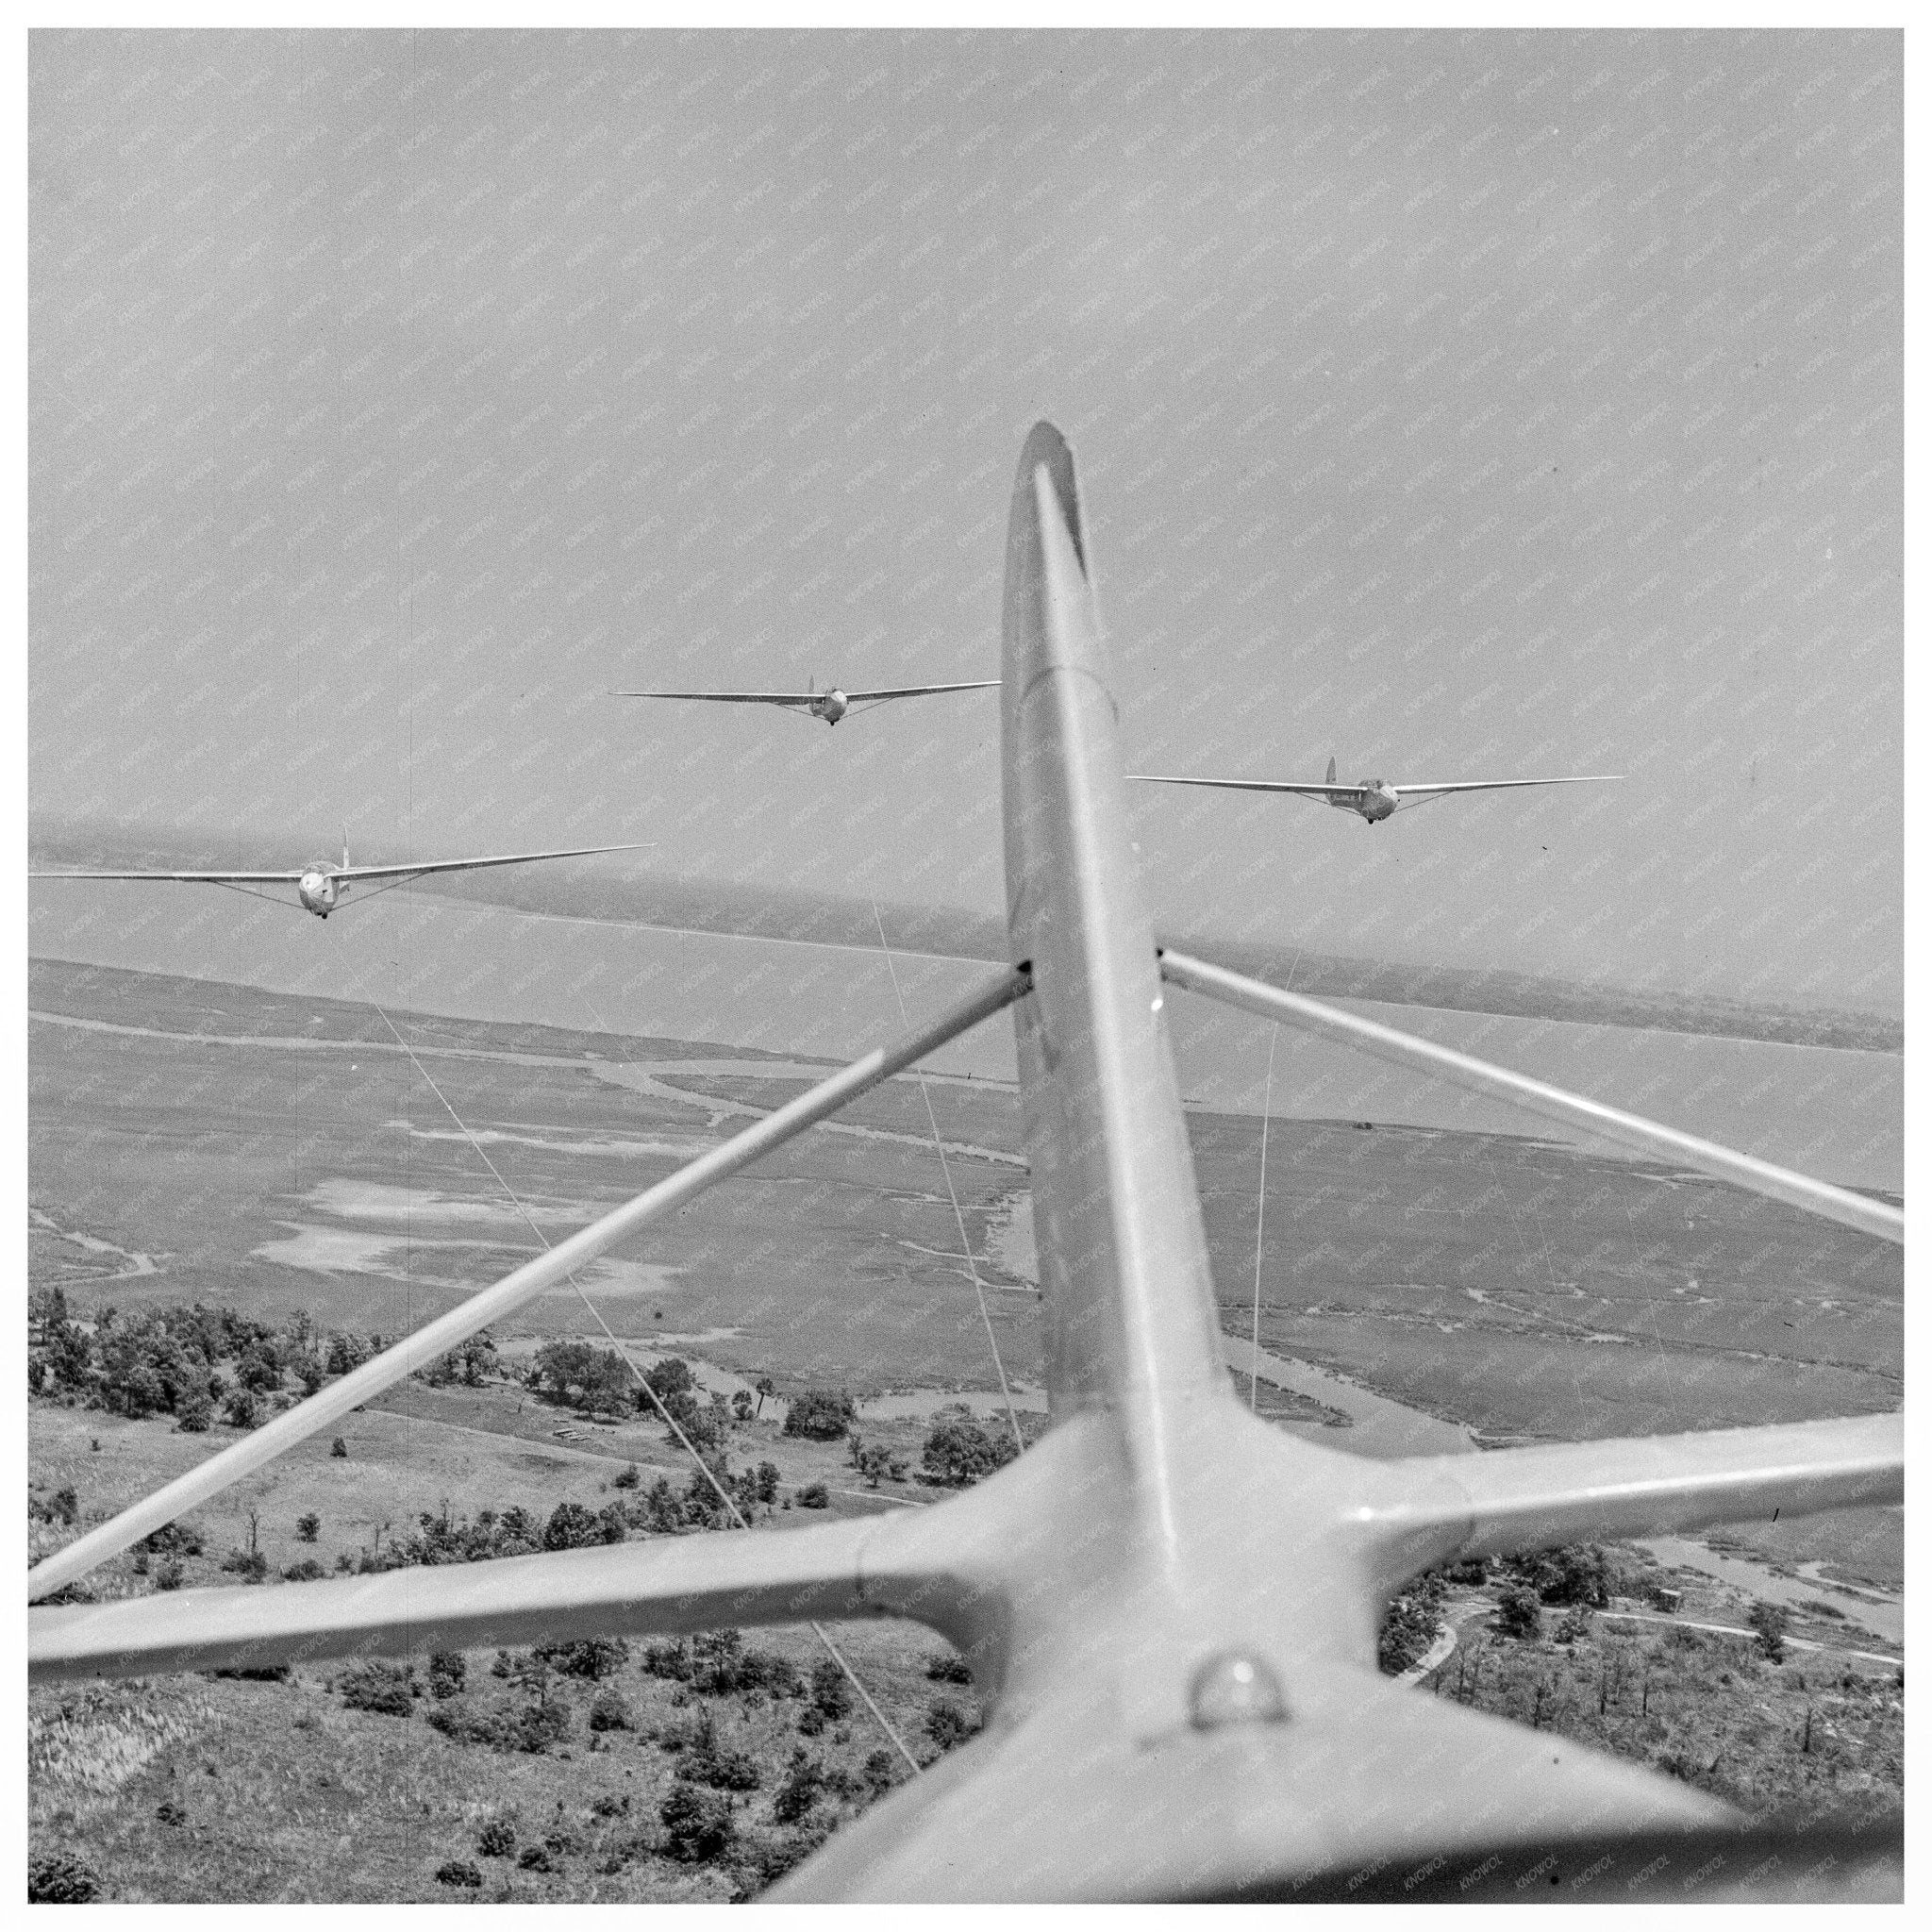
960, 1449
741, 1406
765, 1386
572, 1527
308, 1527
1770, 1620
875, 1461
1520, 1612
1410, 1626
822, 1414
239, 1411
582, 1377
344, 1353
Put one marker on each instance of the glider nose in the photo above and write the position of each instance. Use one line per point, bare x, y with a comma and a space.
833, 706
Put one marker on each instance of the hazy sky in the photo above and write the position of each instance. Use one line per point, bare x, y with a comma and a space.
1461, 405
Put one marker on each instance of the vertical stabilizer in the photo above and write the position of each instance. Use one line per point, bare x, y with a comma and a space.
1331, 770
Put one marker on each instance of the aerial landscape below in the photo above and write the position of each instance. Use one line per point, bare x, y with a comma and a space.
200, 1145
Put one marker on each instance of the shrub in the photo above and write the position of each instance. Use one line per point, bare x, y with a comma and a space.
168, 1574
767, 1478
250, 1565
498, 1840
61, 1880
195, 1415
539, 1727
670, 1659
457, 1871
814, 1496
946, 1725
338, 1447
447, 1671
379, 1686
960, 1449
880, 1774
174, 1538
948, 1667
805, 1778
572, 1527
627, 1477
587, 1657
831, 1691
307, 1571
308, 1527
699, 1822
822, 1414
1575, 1624
240, 1410
608, 1711
535, 1859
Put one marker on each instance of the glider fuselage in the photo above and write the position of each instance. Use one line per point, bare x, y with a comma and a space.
1376, 802
320, 890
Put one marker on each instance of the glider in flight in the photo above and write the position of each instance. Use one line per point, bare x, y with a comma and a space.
322, 887
1169, 1604
1373, 799
831, 704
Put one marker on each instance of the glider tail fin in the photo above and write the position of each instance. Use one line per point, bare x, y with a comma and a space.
1331, 770
345, 845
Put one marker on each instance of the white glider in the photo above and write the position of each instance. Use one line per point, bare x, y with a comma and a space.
1373, 799
321, 887
830, 705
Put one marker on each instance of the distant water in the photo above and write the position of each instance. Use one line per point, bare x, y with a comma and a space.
1835, 1112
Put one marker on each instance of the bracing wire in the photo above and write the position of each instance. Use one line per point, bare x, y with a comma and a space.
725, 1496
1260, 1218
958, 1217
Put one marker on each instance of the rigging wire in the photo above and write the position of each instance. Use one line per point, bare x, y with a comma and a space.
1260, 1216
710, 1475
958, 1217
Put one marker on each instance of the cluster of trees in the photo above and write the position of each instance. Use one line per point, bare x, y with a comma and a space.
187, 1360
960, 1449
822, 1415
717, 1663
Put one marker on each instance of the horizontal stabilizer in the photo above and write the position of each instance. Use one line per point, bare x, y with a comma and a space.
1441, 1508
667, 1584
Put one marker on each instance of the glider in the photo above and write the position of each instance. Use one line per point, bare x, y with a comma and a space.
831, 705
1373, 799
322, 887
1170, 1606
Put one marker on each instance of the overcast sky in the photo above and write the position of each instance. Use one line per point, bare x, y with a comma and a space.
1461, 405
